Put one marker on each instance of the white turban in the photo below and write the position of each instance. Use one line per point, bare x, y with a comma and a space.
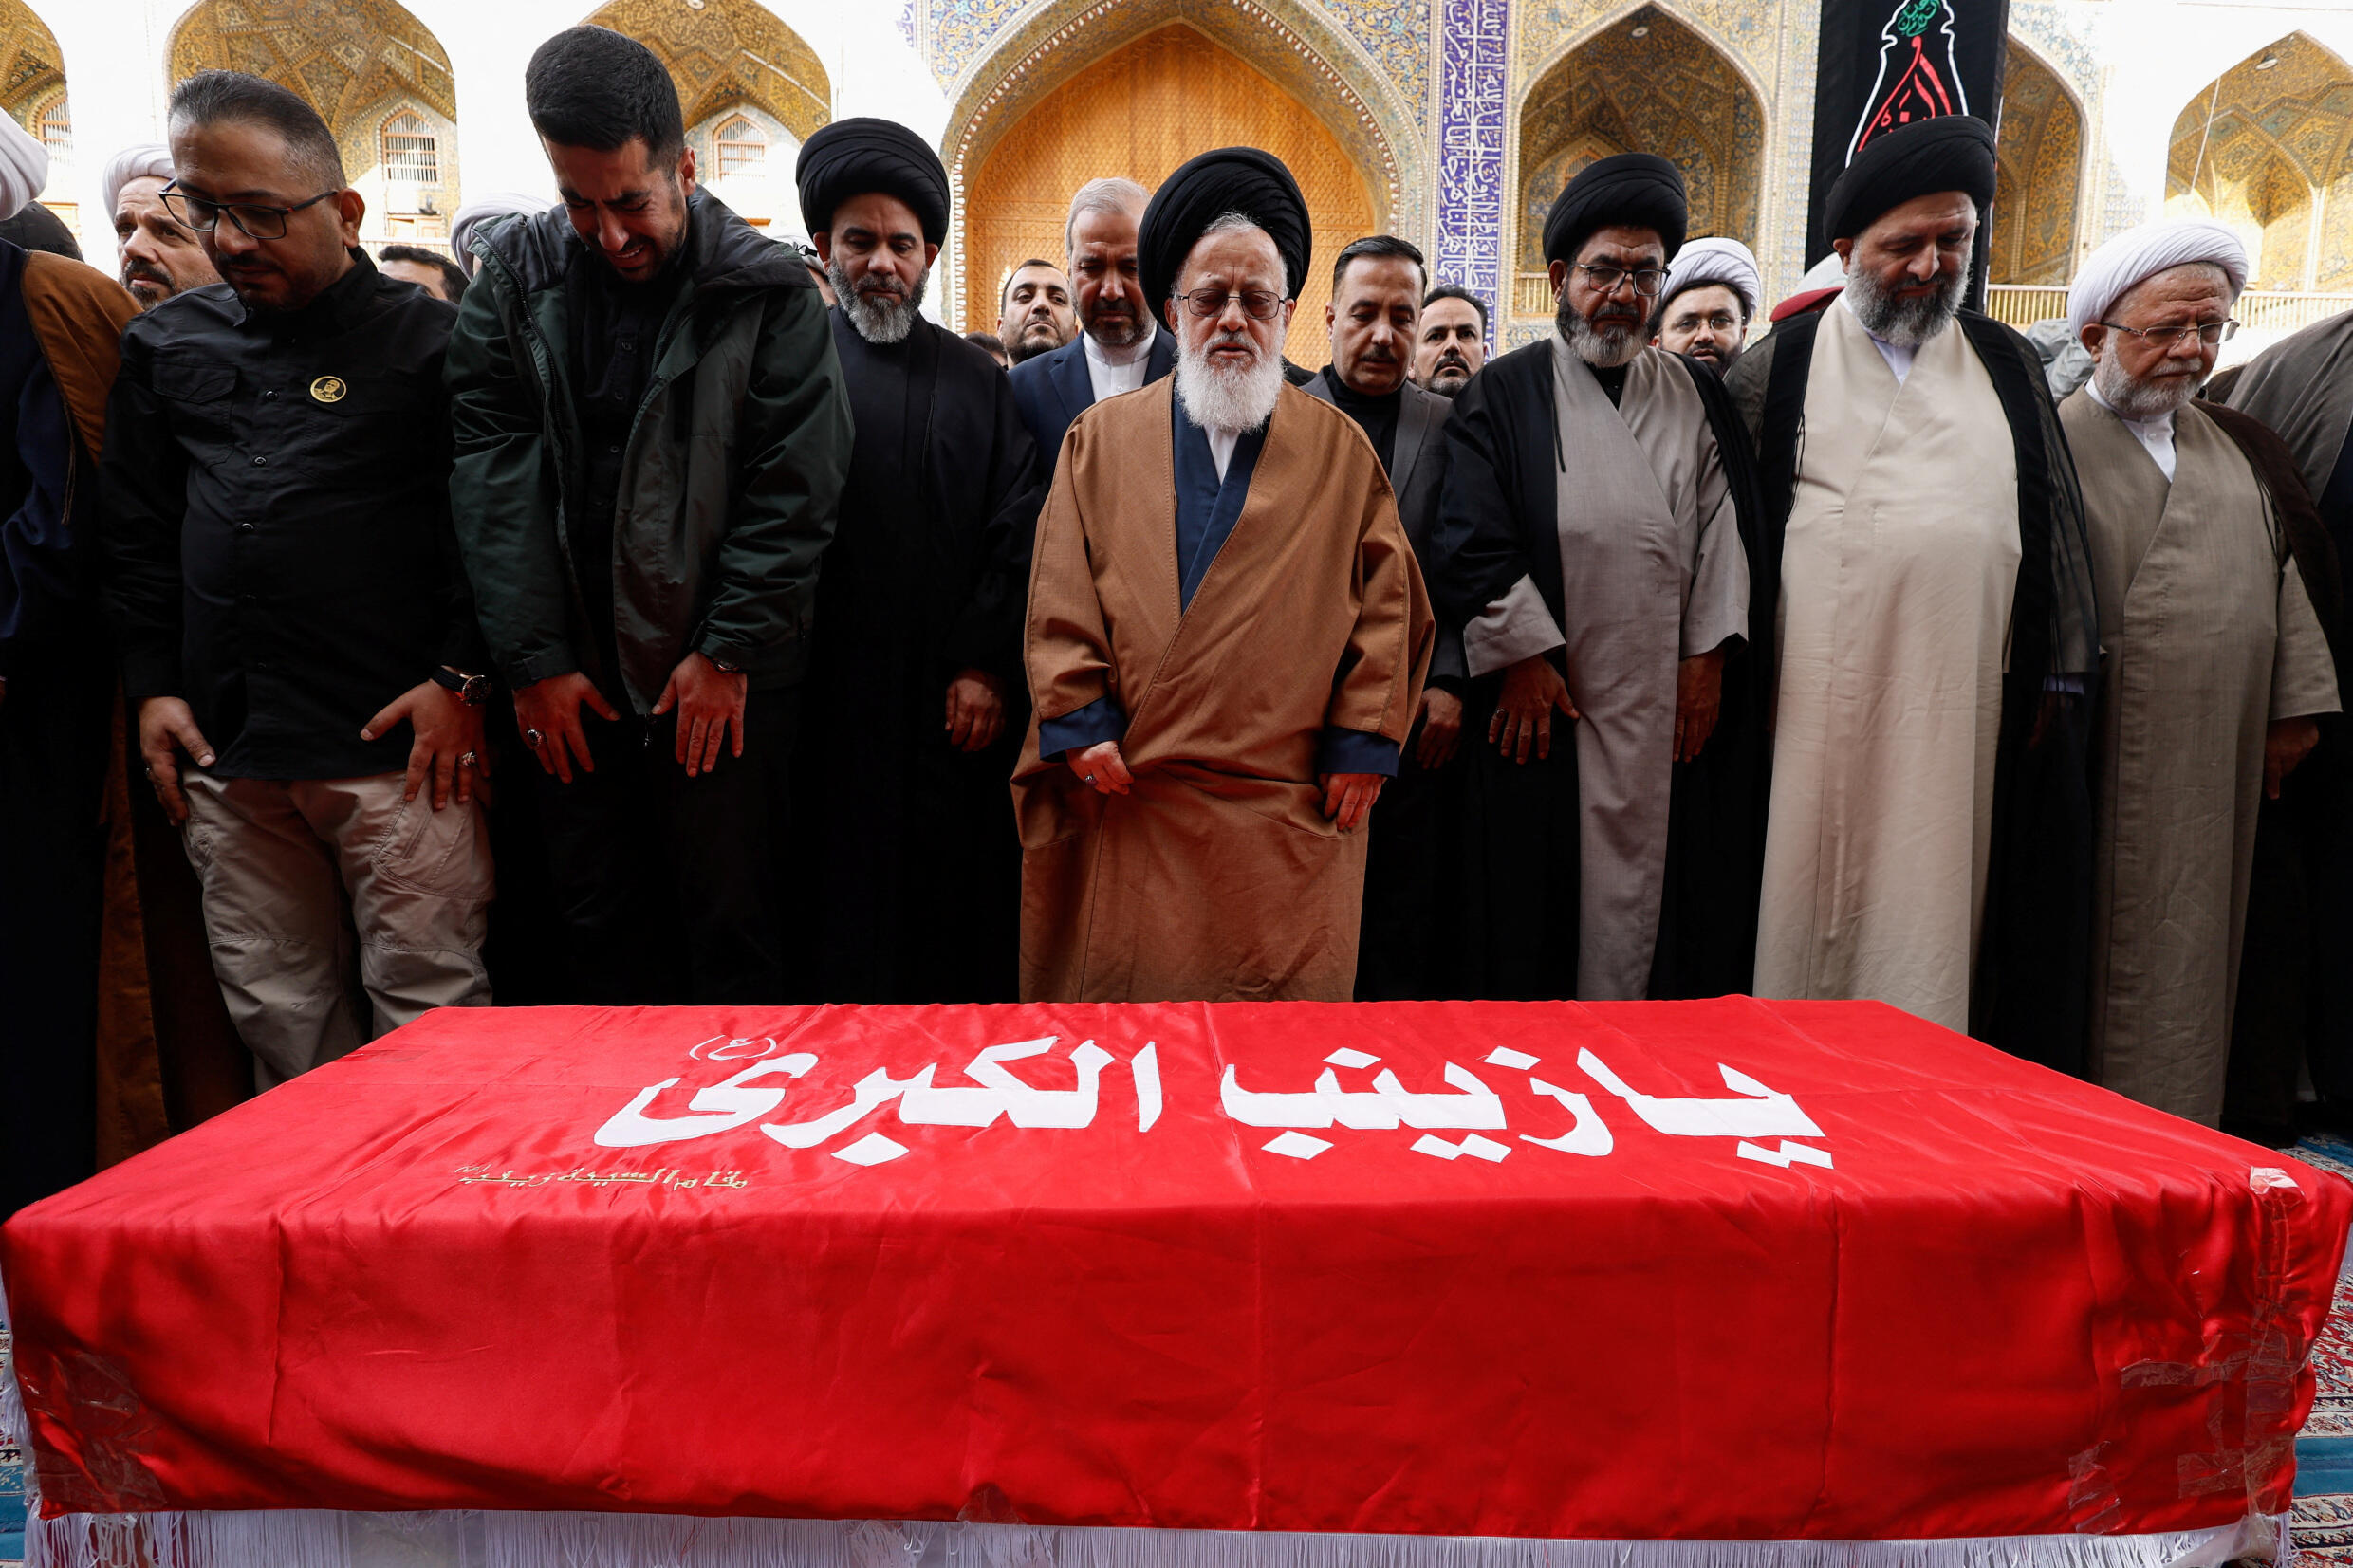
1718, 260
147, 160
2139, 255
498, 204
23, 167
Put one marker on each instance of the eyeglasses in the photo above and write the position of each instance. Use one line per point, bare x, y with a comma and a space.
1258, 304
2209, 333
253, 220
1647, 279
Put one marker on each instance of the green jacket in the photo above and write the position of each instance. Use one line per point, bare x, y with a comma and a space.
730, 484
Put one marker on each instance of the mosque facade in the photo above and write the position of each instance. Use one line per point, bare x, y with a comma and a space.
1452, 122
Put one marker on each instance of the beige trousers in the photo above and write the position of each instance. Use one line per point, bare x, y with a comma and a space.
280, 862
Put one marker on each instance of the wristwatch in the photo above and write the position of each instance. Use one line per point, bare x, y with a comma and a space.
723, 664
473, 690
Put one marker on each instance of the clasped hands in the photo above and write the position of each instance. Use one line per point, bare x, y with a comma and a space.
1347, 797
709, 700
1534, 690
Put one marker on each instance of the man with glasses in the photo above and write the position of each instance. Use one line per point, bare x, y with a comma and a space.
1713, 289
1927, 842
1118, 348
1227, 635
2212, 665
298, 639
1591, 542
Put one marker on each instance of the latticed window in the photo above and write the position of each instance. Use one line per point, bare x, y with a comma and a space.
53, 126
741, 145
411, 154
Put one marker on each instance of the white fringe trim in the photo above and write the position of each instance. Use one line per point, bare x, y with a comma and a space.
296, 1538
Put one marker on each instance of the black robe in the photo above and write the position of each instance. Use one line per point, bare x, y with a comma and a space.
2028, 994
913, 869
1497, 519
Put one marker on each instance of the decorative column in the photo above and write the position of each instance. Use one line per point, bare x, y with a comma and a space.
1475, 44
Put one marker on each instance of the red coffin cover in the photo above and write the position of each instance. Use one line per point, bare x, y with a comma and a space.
1730, 1269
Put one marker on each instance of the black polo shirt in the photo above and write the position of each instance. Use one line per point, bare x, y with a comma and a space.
276, 512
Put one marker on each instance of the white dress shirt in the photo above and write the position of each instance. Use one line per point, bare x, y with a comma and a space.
1112, 371
1221, 445
2155, 436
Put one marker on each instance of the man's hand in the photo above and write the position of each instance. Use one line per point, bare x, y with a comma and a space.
1698, 699
167, 728
709, 703
549, 710
2285, 745
1532, 690
1441, 728
447, 743
1101, 768
1349, 798
976, 710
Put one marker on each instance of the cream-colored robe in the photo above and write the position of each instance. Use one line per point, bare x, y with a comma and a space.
2206, 637
1896, 576
1652, 573
1217, 877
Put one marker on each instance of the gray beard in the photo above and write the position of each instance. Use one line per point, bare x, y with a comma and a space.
1904, 323
878, 319
2140, 400
1228, 399
1604, 349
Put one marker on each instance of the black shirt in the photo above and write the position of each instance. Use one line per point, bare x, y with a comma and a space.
1378, 416
615, 327
277, 520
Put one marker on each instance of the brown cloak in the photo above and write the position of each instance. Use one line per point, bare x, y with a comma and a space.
1217, 877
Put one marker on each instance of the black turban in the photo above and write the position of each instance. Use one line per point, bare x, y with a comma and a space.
1945, 153
1632, 191
856, 158
1232, 179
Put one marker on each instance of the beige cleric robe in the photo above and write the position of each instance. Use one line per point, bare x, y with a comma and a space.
1217, 877
1652, 573
1896, 576
2206, 637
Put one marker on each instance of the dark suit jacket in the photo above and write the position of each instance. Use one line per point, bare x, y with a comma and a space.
1053, 389
1417, 474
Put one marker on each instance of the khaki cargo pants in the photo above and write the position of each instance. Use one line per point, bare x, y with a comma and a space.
281, 862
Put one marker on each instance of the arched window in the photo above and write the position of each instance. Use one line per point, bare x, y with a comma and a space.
411, 154
53, 128
740, 145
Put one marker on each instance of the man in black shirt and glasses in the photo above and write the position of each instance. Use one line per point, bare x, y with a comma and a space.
298, 639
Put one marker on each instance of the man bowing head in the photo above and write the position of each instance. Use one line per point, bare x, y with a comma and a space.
1590, 541
1226, 642
1927, 842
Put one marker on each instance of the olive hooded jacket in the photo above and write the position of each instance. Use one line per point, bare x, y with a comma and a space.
729, 484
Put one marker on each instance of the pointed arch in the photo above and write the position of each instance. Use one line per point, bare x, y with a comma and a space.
32, 90
1290, 44
2039, 165
363, 64
726, 54
1141, 109
2267, 147
1646, 80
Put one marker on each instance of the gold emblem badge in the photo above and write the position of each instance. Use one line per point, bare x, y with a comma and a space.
328, 389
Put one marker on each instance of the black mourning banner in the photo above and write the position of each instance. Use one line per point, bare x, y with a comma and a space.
1887, 63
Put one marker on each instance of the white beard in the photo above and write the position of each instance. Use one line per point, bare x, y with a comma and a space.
2140, 400
1904, 323
1217, 398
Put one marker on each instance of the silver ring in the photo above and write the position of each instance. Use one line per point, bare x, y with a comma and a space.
467, 760
533, 739
1086, 777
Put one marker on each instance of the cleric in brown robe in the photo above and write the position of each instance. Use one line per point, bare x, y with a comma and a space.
1226, 642
2214, 668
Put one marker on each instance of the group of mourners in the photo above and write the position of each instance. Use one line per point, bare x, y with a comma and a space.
1630, 664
